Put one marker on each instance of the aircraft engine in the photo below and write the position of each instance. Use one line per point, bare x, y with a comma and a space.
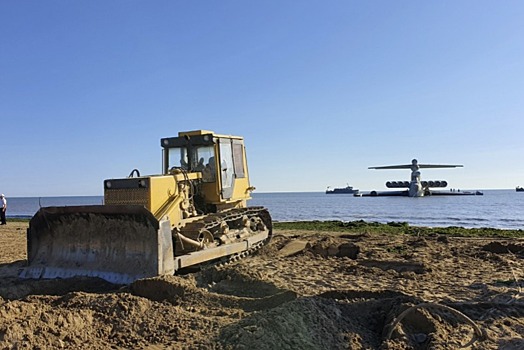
435, 183
397, 184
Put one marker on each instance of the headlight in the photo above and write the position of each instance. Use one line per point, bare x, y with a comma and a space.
108, 184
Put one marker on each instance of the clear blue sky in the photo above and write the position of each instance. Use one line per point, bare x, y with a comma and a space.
321, 90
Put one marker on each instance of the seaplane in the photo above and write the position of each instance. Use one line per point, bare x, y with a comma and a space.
416, 187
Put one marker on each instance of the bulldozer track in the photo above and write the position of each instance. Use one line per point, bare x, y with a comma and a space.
236, 257
212, 223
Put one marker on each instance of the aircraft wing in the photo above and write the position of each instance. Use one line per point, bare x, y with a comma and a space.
404, 193
440, 166
407, 166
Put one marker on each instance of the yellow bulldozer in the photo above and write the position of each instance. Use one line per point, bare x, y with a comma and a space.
194, 212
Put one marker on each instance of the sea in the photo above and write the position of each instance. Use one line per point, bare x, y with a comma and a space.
502, 209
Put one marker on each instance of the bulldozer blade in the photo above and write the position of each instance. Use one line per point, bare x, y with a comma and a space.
119, 244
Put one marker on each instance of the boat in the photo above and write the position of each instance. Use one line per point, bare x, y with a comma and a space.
519, 189
344, 190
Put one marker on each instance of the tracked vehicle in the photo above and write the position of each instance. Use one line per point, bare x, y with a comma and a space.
194, 212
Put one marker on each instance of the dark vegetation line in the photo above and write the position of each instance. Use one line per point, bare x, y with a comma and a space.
361, 226
11, 219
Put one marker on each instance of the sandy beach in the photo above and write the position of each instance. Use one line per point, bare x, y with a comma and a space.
305, 290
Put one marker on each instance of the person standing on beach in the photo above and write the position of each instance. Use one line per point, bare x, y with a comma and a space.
3, 203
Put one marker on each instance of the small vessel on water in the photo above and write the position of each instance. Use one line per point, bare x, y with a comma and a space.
344, 190
519, 189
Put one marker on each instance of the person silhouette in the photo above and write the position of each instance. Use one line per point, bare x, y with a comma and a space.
3, 209
208, 174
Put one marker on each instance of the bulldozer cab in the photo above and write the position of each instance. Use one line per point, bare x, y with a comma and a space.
220, 158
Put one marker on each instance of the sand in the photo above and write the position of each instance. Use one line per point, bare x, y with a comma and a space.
305, 290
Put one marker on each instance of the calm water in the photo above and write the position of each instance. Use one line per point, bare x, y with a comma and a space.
496, 208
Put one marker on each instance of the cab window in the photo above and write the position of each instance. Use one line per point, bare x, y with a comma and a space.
178, 158
238, 160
